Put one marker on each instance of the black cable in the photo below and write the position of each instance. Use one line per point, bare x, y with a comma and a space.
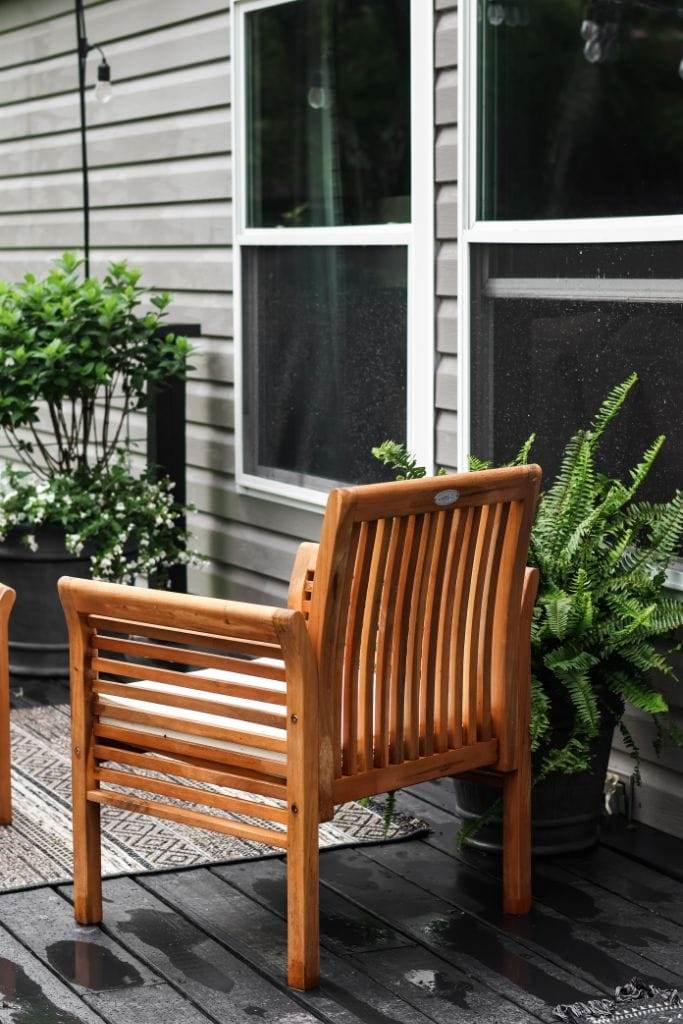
83, 50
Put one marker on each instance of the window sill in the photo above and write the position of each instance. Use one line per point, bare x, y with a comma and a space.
282, 494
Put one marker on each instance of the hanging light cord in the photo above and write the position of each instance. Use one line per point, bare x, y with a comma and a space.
104, 76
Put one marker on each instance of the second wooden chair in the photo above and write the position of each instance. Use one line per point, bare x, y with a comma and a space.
404, 656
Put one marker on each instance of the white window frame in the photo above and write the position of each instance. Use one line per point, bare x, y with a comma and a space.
417, 236
552, 232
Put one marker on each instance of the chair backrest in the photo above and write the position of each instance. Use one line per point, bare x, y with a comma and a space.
415, 615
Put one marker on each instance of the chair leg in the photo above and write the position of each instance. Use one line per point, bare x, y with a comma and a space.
87, 855
5, 760
517, 839
303, 899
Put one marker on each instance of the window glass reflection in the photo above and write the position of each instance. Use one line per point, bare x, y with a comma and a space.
581, 108
328, 113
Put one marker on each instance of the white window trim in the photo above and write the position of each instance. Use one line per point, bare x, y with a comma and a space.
417, 236
551, 232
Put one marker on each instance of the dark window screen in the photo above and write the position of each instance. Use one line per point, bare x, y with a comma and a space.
324, 350
580, 108
547, 349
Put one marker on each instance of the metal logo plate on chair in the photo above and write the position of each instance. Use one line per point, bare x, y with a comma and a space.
445, 498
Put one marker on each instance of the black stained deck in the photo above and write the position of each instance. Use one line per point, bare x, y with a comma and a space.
411, 932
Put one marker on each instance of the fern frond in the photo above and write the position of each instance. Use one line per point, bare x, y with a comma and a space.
667, 616
397, 457
584, 701
540, 713
611, 407
470, 828
522, 456
640, 472
389, 811
637, 693
633, 749
570, 759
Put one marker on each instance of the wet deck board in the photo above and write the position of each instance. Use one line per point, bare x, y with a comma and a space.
412, 933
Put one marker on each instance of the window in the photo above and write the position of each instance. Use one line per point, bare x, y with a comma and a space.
571, 249
333, 239
555, 327
580, 109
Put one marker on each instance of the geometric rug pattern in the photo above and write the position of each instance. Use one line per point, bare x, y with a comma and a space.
36, 848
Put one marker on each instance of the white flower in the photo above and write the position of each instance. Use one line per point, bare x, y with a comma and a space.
31, 542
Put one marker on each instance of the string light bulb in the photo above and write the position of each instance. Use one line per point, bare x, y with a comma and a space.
317, 94
103, 89
495, 13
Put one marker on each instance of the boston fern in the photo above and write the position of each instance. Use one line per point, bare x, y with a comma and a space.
603, 625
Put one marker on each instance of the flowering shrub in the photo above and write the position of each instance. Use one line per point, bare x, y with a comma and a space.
81, 355
128, 526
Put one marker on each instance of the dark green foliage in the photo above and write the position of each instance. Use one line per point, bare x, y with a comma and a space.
73, 345
83, 354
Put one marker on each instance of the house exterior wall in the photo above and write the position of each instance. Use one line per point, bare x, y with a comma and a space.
161, 196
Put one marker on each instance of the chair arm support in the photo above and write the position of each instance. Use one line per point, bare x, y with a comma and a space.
303, 577
529, 594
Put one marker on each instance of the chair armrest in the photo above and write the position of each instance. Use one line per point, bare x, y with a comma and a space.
7, 599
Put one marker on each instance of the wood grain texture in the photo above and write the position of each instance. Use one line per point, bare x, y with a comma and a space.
388, 643
303, 785
517, 784
85, 811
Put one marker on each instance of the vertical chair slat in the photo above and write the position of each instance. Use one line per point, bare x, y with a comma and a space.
337, 669
434, 594
417, 605
486, 632
357, 602
457, 646
399, 639
368, 645
384, 635
444, 633
470, 669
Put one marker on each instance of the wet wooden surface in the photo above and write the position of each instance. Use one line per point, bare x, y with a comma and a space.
412, 932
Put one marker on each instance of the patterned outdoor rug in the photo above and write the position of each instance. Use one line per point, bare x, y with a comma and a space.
36, 848
636, 1000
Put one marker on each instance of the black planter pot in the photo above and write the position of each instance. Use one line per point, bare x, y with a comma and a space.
566, 809
38, 638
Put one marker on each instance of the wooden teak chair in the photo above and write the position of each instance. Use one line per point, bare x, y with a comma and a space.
7, 596
404, 656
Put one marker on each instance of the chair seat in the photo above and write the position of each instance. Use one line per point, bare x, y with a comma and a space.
206, 718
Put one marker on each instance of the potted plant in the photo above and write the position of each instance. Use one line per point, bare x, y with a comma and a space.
603, 626
77, 358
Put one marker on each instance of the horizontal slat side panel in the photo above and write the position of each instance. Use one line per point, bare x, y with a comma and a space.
191, 768
193, 795
185, 816
131, 737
